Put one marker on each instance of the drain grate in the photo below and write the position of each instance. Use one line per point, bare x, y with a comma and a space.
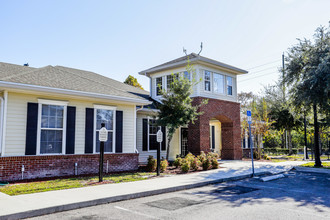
172, 204
236, 190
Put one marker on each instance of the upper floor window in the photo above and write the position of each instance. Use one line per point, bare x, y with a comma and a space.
159, 85
218, 83
104, 114
207, 81
229, 85
186, 75
170, 79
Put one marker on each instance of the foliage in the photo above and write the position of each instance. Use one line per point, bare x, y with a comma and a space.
307, 75
185, 166
190, 158
176, 109
177, 162
163, 165
152, 164
195, 164
206, 164
131, 80
214, 163
325, 165
201, 157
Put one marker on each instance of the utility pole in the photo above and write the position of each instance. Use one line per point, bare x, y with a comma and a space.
284, 100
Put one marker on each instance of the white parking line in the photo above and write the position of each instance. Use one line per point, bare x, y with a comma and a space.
134, 212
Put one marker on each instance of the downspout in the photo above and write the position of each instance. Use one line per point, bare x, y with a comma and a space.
135, 120
3, 122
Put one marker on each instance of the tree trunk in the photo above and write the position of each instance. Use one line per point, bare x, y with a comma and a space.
290, 142
316, 139
168, 146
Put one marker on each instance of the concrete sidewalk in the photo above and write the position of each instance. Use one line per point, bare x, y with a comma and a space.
22, 206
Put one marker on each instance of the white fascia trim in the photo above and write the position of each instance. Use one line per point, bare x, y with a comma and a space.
52, 102
105, 107
72, 92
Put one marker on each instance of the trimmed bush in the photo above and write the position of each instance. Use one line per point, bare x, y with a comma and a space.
190, 158
194, 165
214, 163
201, 157
163, 165
177, 162
152, 164
206, 163
185, 166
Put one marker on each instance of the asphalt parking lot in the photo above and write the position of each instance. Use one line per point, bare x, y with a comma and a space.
296, 196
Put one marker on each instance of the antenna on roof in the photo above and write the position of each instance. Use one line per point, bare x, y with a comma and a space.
185, 51
201, 48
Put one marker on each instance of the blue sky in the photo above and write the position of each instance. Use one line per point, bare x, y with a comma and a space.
118, 38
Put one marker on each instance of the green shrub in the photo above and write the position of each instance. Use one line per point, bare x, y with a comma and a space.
152, 164
190, 158
206, 163
213, 155
201, 157
214, 163
177, 162
194, 165
266, 157
163, 165
185, 166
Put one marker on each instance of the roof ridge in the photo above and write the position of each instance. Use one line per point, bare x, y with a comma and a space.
91, 79
68, 70
24, 73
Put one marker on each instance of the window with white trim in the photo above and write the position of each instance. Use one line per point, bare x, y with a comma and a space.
229, 85
153, 128
106, 115
218, 83
159, 85
186, 75
207, 81
170, 79
51, 127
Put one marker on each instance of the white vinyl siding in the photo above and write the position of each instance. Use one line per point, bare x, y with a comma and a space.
17, 112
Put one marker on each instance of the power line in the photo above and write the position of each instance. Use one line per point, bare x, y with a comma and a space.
263, 64
257, 76
260, 71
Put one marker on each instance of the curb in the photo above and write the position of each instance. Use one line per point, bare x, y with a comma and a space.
312, 170
66, 207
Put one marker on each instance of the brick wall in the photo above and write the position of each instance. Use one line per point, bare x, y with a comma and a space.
63, 165
228, 113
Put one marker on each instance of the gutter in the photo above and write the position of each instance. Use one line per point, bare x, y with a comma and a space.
135, 124
72, 92
1, 124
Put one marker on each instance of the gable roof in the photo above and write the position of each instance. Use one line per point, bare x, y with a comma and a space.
66, 78
182, 61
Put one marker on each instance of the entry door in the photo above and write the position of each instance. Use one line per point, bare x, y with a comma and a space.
184, 141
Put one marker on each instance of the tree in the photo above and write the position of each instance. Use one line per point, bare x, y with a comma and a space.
176, 109
131, 80
307, 74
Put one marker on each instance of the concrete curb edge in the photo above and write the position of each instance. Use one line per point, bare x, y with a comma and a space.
67, 207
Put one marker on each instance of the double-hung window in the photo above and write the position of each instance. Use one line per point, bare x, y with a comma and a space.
207, 81
186, 75
104, 114
218, 83
159, 85
229, 85
153, 128
51, 127
170, 80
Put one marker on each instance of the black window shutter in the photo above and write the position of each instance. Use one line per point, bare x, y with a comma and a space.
89, 130
119, 131
164, 138
145, 134
70, 129
31, 129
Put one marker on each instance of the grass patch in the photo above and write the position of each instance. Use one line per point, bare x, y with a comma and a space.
58, 184
326, 165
